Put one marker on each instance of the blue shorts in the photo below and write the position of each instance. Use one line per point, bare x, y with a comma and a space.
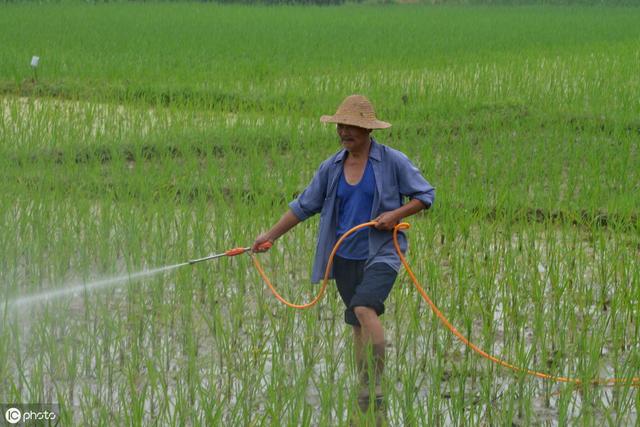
358, 286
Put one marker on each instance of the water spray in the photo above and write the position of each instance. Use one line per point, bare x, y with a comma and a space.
114, 281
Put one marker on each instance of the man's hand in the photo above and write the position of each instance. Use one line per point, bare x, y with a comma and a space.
259, 244
386, 221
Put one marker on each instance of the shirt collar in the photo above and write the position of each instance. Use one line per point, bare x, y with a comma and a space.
374, 152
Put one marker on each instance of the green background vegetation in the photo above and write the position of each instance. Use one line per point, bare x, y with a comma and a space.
159, 133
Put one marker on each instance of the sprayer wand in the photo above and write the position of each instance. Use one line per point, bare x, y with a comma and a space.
230, 252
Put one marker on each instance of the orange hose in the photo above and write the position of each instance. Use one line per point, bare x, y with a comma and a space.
634, 381
327, 271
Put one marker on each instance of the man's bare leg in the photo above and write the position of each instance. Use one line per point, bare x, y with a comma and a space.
369, 348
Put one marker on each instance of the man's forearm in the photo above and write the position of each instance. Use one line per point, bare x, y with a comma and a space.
286, 223
412, 207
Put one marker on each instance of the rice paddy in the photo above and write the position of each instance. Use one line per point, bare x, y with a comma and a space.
158, 133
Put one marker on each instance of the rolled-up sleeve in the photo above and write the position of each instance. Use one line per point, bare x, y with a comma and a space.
310, 201
411, 182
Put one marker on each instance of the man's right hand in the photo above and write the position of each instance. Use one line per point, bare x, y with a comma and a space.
262, 244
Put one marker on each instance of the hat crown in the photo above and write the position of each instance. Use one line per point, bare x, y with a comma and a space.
358, 105
356, 110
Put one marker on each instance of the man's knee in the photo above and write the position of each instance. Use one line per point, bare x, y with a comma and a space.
364, 314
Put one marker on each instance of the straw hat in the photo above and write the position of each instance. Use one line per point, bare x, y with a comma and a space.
356, 110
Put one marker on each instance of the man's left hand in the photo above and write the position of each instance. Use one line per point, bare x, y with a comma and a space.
386, 221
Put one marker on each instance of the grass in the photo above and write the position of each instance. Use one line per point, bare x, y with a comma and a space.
160, 133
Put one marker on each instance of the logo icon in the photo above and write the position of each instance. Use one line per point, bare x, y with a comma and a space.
13, 415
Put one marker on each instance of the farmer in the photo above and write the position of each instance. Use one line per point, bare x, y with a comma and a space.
362, 181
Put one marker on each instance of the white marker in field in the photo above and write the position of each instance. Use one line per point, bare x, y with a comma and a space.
34, 66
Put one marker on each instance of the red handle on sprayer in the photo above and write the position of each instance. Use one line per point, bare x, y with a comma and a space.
235, 251
230, 252
265, 246
238, 251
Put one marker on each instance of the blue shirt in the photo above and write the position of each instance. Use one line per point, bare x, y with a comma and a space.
396, 177
354, 207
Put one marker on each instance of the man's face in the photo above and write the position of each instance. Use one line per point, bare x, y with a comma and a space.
352, 137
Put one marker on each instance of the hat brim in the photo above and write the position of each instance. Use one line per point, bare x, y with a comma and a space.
354, 121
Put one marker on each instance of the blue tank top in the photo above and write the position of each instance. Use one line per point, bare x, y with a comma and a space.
354, 207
